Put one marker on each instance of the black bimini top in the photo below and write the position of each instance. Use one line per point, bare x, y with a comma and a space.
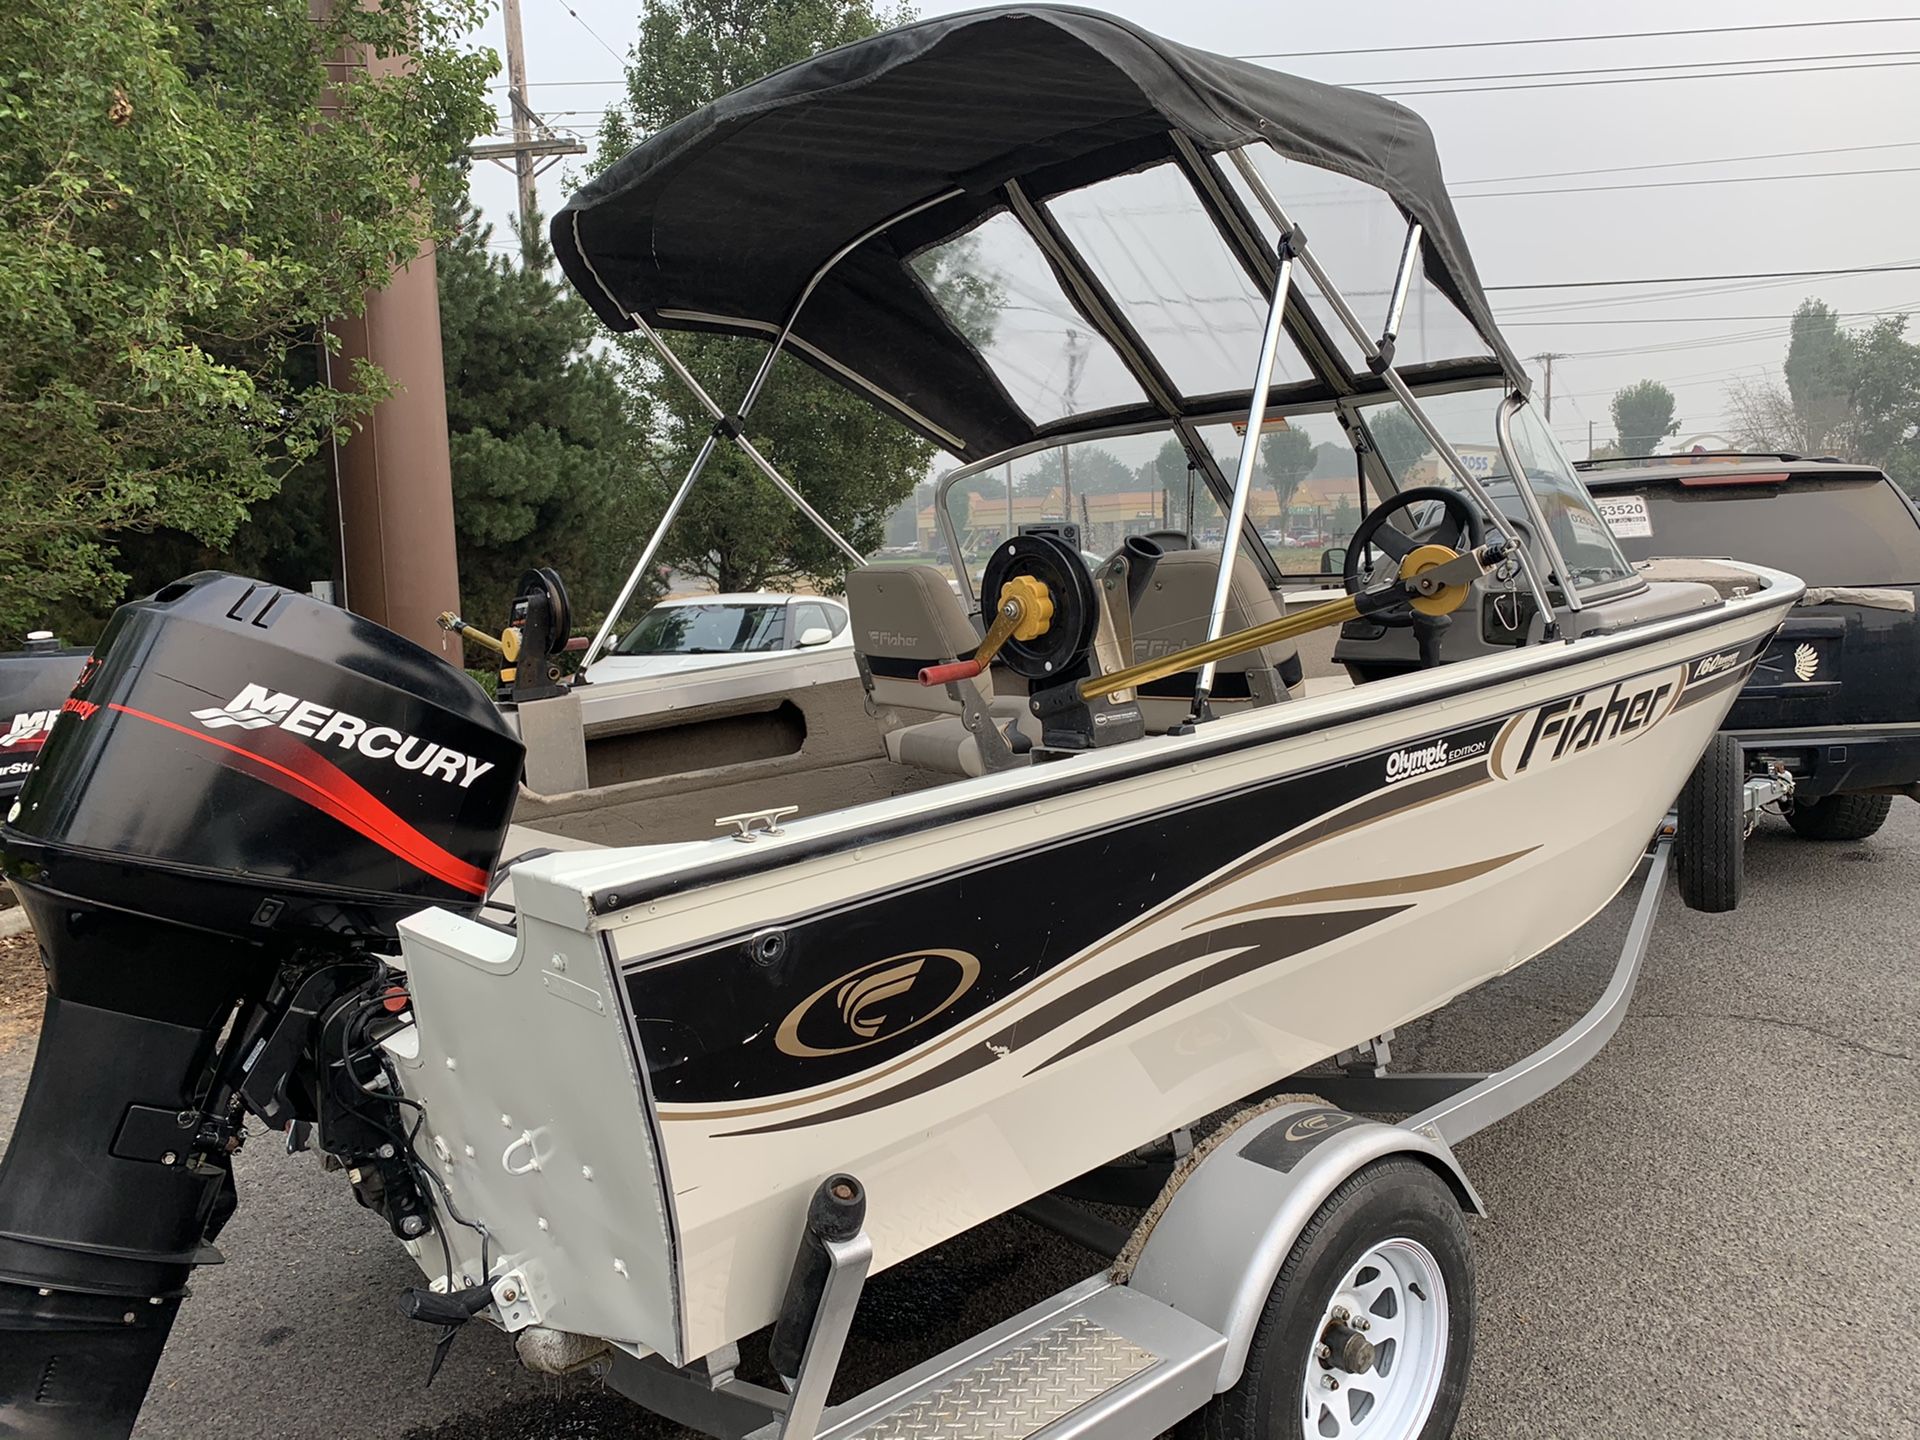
719, 222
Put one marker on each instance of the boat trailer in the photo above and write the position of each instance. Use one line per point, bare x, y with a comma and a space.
1139, 1346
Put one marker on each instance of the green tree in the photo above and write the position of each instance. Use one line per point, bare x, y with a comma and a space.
545, 452
1286, 459
189, 191
1096, 471
1819, 367
1884, 396
1397, 437
1855, 394
1346, 518
1643, 416
852, 463
1168, 470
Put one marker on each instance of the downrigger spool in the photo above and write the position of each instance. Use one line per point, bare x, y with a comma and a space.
539, 623
1052, 628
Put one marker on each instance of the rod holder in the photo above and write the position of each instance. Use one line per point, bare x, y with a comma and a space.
1142, 556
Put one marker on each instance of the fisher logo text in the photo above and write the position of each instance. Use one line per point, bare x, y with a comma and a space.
877, 1002
256, 708
1425, 759
28, 731
1566, 727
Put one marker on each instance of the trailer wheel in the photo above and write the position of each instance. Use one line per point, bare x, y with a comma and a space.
1711, 843
1369, 1329
1839, 817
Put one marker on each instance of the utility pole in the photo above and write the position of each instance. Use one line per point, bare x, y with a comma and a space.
1589, 439
534, 146
1547, 358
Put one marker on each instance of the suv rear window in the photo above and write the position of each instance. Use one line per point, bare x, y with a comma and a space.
1828, 530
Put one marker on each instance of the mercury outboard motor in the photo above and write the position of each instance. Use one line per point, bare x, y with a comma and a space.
33, 683
244, 793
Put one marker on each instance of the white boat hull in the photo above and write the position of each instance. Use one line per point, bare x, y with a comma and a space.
977, 1043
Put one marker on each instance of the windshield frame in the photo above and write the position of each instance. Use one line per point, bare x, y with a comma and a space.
1575, 596
1188, 430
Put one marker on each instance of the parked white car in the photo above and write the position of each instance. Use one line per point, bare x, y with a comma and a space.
703, 631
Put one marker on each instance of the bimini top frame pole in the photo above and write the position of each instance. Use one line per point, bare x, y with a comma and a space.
730, 424
1243, 469
1380, 359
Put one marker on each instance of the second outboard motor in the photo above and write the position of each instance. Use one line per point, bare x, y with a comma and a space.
33, 683
244, 793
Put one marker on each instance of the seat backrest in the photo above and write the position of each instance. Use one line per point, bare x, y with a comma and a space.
906, 617
1172, 615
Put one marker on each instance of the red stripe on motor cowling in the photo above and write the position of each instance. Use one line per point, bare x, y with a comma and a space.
329, 789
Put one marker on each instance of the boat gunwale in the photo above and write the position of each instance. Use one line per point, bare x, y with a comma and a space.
986, 795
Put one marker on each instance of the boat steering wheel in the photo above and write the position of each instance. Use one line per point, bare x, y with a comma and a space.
1461, 520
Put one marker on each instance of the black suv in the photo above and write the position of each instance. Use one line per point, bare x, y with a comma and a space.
1836, 700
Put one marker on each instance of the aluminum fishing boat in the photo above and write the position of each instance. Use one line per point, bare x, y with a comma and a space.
1106, 870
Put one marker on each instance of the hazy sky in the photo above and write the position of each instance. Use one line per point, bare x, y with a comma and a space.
1695, 338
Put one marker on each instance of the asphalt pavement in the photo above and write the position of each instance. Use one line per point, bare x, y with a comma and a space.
1711, 1231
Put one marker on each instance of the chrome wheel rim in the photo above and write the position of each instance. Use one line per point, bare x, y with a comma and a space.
1395, 1298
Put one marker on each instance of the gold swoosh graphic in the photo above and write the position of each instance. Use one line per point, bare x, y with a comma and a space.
1371, 889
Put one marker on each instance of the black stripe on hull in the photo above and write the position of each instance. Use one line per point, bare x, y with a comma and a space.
717, 1027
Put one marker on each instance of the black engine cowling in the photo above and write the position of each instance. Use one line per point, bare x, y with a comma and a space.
242, 796
33, 683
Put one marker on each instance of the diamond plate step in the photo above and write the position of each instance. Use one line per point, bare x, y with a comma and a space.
1096, 1359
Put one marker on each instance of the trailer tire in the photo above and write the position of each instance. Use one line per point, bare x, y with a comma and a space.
1839, 817
1711, 843
1398, 1220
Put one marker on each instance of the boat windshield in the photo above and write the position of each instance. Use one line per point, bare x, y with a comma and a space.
1469, 421
1307, 496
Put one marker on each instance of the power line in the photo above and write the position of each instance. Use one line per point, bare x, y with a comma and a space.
1451, 45
1682, 184
1687, 293
1675, 319
569, 84
1710, 342
1682, 164
1652, 79
1625, 69
1579, 39
1701, 279
1717, 377
591, 31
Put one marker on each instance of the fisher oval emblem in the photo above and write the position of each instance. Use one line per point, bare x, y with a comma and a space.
877, 1002
1318, 1123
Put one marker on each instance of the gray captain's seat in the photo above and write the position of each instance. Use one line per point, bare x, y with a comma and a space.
904, 618
1172, 615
